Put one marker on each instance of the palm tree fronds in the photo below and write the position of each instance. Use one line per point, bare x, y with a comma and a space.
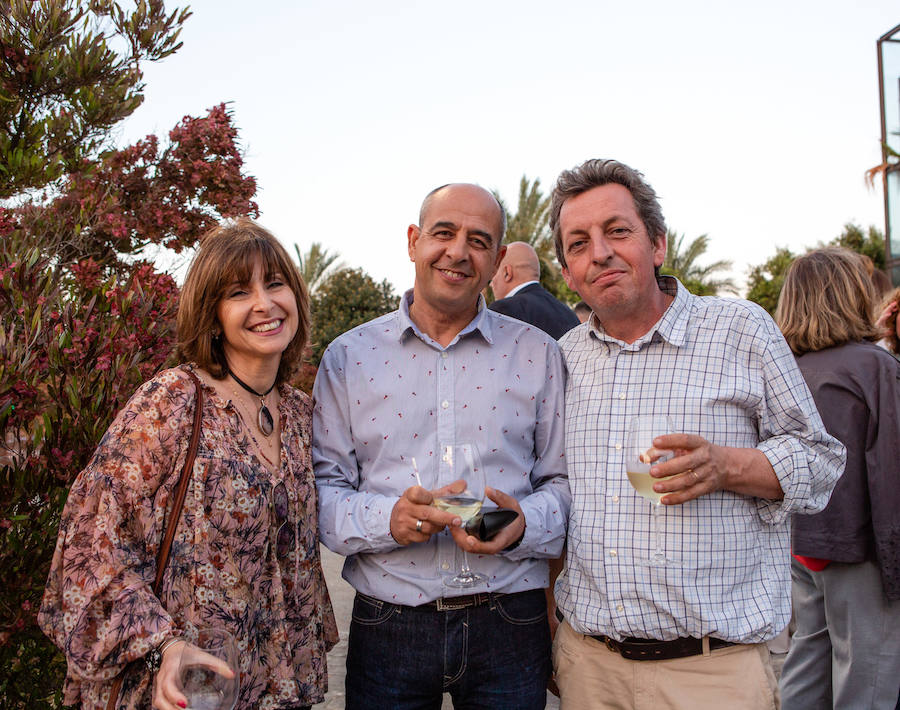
315, 264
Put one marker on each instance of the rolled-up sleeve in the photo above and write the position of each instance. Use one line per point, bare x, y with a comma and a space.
807, 460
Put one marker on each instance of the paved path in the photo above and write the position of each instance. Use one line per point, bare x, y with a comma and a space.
342, 599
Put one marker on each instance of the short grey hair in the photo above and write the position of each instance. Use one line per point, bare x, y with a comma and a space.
594, 173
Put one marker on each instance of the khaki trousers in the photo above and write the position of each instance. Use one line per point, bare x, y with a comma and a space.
591, 677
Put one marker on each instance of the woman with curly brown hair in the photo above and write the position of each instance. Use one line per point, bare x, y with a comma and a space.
889, 323
845, 651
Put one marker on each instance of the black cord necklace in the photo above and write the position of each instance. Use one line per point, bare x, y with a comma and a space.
264, 419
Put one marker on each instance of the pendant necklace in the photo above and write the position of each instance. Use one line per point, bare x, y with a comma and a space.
264, 419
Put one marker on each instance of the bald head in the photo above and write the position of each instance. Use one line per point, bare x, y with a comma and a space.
520, 265
523, 258
464, 187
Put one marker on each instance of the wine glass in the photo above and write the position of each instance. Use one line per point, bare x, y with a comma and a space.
640, 455
201, 669
461, 462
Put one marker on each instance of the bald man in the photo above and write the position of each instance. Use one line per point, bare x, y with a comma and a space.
389, 396
520, 295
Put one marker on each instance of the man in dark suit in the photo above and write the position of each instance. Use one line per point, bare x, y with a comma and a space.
519, 293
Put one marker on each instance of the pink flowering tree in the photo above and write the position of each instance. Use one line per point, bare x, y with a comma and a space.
84, 317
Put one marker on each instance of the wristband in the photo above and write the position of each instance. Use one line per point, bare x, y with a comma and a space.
153, 659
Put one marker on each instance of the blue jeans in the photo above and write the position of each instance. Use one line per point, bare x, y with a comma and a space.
495, 656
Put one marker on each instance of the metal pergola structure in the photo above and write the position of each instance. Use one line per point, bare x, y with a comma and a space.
889, 96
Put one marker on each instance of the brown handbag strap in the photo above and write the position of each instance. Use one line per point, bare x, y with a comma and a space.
162, 556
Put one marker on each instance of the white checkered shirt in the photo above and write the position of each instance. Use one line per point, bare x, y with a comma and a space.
721, 369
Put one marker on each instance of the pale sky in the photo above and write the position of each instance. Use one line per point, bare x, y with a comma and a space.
754, 122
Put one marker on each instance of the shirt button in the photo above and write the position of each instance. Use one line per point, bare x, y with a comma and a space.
622, 396
445, 404
445, 566
443, 355
613, 553
620, 608
615, 499
618, 447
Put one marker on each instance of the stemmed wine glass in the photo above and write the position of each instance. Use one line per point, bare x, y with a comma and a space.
461, 462
640, 455
201, 671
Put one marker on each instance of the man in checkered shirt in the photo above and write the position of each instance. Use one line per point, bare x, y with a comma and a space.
681, 623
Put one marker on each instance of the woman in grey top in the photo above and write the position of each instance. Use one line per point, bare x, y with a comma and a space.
845, 652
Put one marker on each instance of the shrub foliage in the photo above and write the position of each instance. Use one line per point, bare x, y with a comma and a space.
72, 352
348, 298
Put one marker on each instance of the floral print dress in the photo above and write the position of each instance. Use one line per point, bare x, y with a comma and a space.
236, 563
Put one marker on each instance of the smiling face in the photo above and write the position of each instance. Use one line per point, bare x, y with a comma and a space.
456, 252
611, 258
259, 320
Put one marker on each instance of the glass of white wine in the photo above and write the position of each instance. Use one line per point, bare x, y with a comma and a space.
461, 462
640, 455
203, 683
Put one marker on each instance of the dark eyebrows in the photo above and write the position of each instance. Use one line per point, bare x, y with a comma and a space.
446, 224
443, 225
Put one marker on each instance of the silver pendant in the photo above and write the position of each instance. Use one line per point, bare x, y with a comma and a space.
264, 420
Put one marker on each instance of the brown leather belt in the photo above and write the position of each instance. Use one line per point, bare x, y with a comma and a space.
635, 649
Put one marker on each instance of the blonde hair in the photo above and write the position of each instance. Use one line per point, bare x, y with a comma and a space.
227, 254
891, 322
827, 300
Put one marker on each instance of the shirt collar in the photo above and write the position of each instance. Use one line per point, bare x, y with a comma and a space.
672, 327
518, 288
480, 324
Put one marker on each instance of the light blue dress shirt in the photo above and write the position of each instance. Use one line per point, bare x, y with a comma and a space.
386, 393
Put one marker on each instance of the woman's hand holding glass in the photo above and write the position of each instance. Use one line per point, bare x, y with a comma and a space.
200, 676
167, 693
